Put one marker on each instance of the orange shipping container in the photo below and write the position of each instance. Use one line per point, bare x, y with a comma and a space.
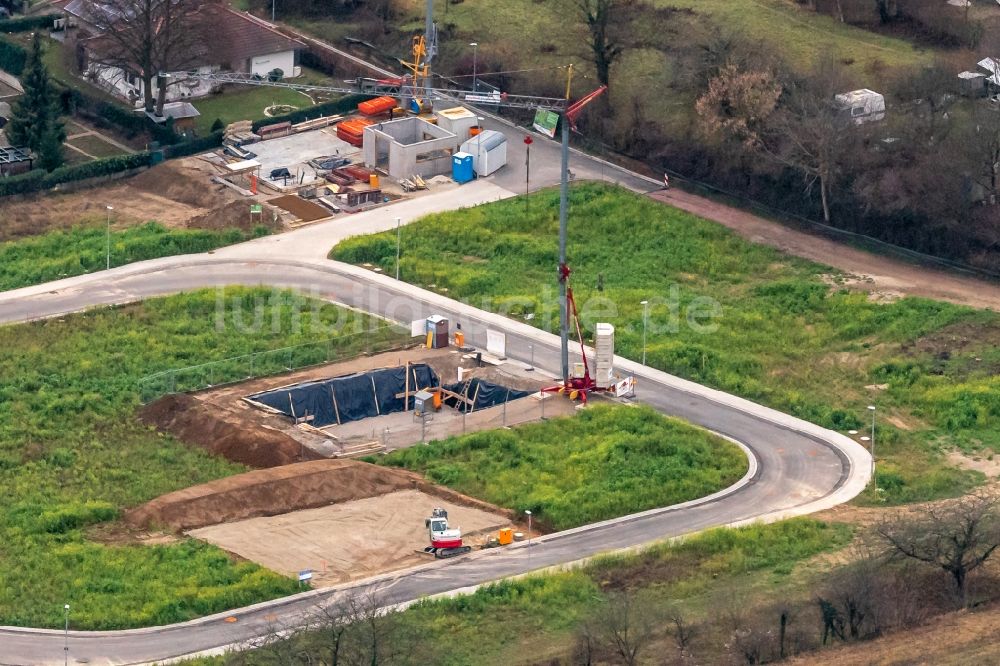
373, 107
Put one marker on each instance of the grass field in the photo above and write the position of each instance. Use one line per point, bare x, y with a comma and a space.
606, 462
247, 103
73, 455
789, 335
83, 249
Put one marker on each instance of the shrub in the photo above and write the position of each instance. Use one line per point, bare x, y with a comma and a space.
335, 107
12, 58
28, 23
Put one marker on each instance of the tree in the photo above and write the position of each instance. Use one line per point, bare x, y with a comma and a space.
602, 17
957, 537
35, 122
148, 38
738, 104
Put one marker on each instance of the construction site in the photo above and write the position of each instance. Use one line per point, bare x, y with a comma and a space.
311, 505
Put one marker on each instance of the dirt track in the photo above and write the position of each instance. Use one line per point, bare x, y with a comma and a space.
346, 541
882, 274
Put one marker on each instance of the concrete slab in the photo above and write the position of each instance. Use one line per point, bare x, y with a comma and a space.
294, 152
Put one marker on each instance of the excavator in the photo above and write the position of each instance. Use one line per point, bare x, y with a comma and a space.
445, 542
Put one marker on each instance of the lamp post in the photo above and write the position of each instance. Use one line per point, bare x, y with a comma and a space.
527, 168
871, 408
645, 320
398, 222
528, 513
66, 636
110, 208
272, 9
475, 53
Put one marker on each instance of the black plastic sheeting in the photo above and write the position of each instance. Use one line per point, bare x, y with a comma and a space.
358, 396
485, 394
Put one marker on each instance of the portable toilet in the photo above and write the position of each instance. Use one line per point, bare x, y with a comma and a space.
461, 168
437, 330
489, 151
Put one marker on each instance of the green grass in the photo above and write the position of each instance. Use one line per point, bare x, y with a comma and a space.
608, 461
96, 146
73, 454
58, 254
244, 103
787, 336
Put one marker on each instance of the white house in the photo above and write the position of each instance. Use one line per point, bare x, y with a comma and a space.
239, 42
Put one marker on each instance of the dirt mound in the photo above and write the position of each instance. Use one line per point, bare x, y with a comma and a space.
234, 215
186, 181
197, 423
270, 492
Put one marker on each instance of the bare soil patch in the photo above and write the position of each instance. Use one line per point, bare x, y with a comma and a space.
350, 540
306, 211
194, 422
174, 193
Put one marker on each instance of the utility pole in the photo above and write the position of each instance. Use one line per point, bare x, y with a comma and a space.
66, 637
430, 39
108, 255
398, 221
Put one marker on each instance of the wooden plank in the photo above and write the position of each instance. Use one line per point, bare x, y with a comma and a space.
406, 390
336, 407
375, 395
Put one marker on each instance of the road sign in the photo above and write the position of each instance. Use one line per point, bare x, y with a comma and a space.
305, 576
256, 208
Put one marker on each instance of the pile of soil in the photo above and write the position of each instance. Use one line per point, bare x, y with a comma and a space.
199, 424
186, 181
234, 215
270, 492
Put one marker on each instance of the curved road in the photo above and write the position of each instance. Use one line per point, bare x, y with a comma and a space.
800, 468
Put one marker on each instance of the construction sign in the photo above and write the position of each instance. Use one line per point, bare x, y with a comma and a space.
546, 122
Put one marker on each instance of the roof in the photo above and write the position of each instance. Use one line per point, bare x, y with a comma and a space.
991, 65
970, 75
456, 113
856, 95
14, 155
487, 139
234, 38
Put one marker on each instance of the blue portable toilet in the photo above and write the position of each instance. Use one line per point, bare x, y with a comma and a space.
461, 168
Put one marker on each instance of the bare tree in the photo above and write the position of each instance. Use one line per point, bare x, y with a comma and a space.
602, 17
148, 38
958, 537
683, 632
737, 105
623, 625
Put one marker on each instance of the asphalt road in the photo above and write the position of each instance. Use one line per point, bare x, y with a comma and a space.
797, 467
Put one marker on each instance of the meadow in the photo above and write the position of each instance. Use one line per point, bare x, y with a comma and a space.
605, 462
73, 456
792, 334
84, 249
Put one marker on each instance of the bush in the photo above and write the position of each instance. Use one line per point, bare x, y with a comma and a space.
37, 180
341, 105
213, 140
12, 58
28, 23
129, 121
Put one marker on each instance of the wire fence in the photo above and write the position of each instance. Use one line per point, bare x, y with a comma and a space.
266, 363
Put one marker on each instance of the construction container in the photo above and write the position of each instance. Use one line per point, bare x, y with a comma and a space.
489, 151
604, 351
352, 131
457, 120
506, 536
461, 168
379, 105
373, 181
438, 327
423, 402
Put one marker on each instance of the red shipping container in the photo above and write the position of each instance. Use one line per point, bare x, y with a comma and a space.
374, 107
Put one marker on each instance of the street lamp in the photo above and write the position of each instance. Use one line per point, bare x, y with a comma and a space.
527, 168
398, 221
645, 321
475, 53
272, 10
871, 408
110, 208
66, 635
528, 512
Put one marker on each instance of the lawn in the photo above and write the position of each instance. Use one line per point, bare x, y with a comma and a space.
244, 103
73, 455
606, 462
83, 249
96, 146
789, 335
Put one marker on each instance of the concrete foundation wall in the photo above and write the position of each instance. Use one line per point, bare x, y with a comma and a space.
406, 143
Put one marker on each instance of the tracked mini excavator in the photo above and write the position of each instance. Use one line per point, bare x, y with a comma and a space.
445, 542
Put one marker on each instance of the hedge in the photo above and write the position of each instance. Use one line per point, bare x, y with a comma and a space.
37, 180
12, 58
342, 105
27, 23
213, 140
74, 100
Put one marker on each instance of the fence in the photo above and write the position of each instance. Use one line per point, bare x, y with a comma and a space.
271, 362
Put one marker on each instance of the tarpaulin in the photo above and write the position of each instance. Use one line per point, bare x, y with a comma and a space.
348, 397
485, 394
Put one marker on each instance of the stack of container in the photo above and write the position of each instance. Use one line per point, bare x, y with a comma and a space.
604, 346
352, 131
377, 106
